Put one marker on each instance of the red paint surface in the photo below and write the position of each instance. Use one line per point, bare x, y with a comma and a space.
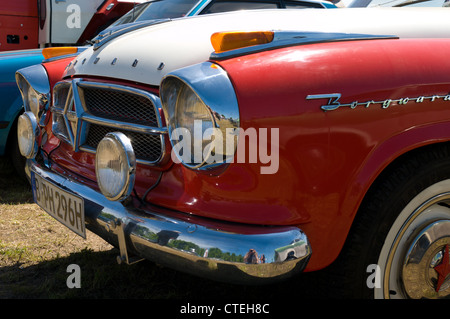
327, 160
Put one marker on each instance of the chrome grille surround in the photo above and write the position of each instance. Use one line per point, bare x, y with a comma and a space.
83, 112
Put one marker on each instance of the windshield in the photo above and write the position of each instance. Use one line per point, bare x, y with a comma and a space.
159, 9
395, 3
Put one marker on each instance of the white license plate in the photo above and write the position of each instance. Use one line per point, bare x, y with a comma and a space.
64, 206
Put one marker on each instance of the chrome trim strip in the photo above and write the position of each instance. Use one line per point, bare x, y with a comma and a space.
292, 38
148, 232
111, 33
123, 125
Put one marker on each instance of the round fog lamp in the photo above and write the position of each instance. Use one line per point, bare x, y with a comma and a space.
27, 131
115, 166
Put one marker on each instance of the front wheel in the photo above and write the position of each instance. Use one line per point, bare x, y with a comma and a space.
399, 243
414, 260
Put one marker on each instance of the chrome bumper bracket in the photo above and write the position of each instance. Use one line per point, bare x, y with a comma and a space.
118, 228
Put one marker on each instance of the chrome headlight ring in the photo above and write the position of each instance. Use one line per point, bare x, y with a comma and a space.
27, 133
202, 115
115, 166
34, 87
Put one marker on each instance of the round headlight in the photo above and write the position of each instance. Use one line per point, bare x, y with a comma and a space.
202, 115
115, 166
27, 131
192, 114
33, 101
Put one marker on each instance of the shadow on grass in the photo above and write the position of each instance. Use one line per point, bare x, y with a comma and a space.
102, 278
13, 189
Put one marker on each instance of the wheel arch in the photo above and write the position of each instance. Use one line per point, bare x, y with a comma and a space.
390, 154
365, 233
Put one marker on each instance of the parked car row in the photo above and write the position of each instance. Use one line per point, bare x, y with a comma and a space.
255, 145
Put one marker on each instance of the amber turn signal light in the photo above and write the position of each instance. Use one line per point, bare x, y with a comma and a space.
58, 51
226, 41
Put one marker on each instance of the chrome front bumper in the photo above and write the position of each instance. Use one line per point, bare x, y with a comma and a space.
210, 249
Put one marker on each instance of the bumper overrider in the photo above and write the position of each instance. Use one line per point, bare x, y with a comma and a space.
217, 252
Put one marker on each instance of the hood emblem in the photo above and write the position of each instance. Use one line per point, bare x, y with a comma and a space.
334, 103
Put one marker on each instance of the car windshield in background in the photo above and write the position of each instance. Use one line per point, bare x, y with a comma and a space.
168, 9
396, 3
158, 10
225, 6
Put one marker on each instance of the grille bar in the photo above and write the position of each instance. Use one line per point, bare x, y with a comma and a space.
146, 146
119, 105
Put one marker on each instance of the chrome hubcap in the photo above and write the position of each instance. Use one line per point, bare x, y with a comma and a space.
426, 266
414, 260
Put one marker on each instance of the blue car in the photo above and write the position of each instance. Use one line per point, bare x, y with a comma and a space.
11, 103
10, 62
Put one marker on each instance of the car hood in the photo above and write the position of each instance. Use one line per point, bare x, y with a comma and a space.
147, 54
20, 54
11, 61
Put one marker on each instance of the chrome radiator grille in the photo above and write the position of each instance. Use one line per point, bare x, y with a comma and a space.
84, 112
120, 106
147, 147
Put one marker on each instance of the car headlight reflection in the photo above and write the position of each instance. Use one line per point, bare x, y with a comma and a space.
27, 131
33, 101
115, 166
202, 115
192, 114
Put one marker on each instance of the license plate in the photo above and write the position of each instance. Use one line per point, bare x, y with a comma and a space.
62, 205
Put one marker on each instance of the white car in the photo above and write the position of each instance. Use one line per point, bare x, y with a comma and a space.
175, 49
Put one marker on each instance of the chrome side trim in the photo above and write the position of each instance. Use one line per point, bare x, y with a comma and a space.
292, 38
158, 235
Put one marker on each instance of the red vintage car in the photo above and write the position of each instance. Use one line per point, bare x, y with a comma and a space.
290, 147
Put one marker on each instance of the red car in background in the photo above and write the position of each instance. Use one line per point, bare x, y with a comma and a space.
29, 24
